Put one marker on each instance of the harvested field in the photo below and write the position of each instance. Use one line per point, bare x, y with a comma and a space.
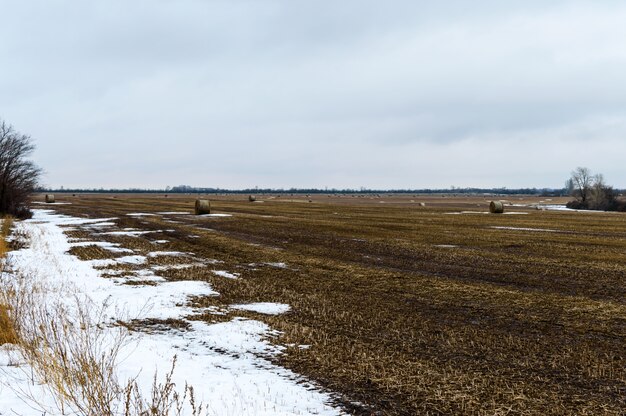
400, 309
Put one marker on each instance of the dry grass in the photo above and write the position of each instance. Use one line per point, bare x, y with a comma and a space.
410, 310
7, 332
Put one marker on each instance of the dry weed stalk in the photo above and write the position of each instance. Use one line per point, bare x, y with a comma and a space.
164, 399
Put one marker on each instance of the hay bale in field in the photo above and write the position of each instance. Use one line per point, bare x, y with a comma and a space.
496, 207
422, 204
252, 198
203, 206
50, 199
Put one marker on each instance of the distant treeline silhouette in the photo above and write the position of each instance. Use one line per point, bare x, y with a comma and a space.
184, 189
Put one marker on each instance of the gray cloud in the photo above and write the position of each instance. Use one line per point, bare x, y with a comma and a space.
297, 93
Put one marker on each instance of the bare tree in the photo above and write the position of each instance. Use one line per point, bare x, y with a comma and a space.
582, 180
19, 176
592, 192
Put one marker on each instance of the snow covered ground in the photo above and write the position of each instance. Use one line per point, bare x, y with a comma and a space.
226, 363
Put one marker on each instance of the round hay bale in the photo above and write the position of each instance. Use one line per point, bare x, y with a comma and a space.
50, 199
496, 207
422, 204
252, 198
203, 206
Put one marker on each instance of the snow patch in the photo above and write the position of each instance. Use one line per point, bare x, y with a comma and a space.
266, 308
215, 215
544, 230
131, 233
224, 273
113, 247
278, 265
167, 254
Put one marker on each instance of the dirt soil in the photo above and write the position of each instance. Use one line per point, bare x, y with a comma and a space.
405, 309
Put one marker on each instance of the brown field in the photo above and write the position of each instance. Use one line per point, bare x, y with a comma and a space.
409, 310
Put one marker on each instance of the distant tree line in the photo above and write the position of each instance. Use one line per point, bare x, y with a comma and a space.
185, 189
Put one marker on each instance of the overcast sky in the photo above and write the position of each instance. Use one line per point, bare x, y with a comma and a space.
338, 93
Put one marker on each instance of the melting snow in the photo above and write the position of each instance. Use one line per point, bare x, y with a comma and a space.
215, 215
277, 265
167, 253
222, 361
224, 273
113, 247
132, 259
266, 308
131, 233
525, 229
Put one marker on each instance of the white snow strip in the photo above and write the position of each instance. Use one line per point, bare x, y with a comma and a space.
51, 203
131, 233
160, 268
167, 254
277, 265
544, 230
43, 214
215, 215
101, 263
102, 225
224, 273
266, 308
132, 260
174, 213
113, 247
564, 208
466, 212
141, 214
